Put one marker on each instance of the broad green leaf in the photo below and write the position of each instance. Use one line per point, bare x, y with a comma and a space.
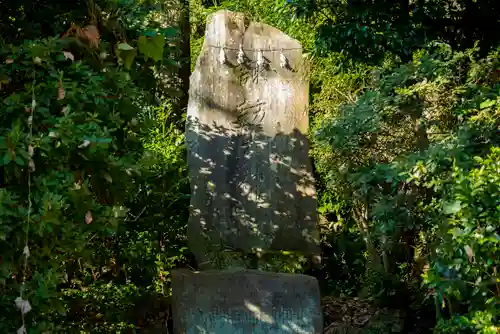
18, 160
452, 207
159, 43
124, 47
142, 45
152, 47
6, 158
127, 57
487, 104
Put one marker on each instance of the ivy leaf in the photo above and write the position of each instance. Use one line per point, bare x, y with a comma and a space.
125, 47
127, 56
142, 44
152, 47
159, 43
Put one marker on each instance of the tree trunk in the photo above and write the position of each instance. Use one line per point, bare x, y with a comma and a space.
361, 218
385, 257
185, 56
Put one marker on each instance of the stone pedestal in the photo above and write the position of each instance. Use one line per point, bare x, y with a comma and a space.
245, 302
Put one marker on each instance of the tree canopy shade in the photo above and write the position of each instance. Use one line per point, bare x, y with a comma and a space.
369, 29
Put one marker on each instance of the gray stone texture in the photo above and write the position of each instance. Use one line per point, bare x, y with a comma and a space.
245, 302
251, 177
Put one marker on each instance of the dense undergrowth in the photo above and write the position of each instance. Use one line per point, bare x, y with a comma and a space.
405, 142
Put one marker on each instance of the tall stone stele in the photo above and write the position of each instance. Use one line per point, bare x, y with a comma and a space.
247, 121
252, 188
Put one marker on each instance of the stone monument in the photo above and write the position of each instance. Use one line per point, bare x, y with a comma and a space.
247, 120
252, 189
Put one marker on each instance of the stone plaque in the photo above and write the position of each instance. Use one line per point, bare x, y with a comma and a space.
246, 134
245, 302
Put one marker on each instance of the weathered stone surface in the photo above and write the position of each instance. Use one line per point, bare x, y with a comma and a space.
251, 178
245, 302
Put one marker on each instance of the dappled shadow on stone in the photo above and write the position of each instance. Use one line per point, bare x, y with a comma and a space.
245, 301
250, 191
251, 178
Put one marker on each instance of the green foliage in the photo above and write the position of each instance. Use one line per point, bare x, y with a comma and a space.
404, 142
108, 183
274, 13
464, 274
370, 30
392, 153
82, 139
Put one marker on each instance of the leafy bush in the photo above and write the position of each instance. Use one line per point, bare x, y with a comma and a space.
88, 184
464, 274
391, 154
85, 145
